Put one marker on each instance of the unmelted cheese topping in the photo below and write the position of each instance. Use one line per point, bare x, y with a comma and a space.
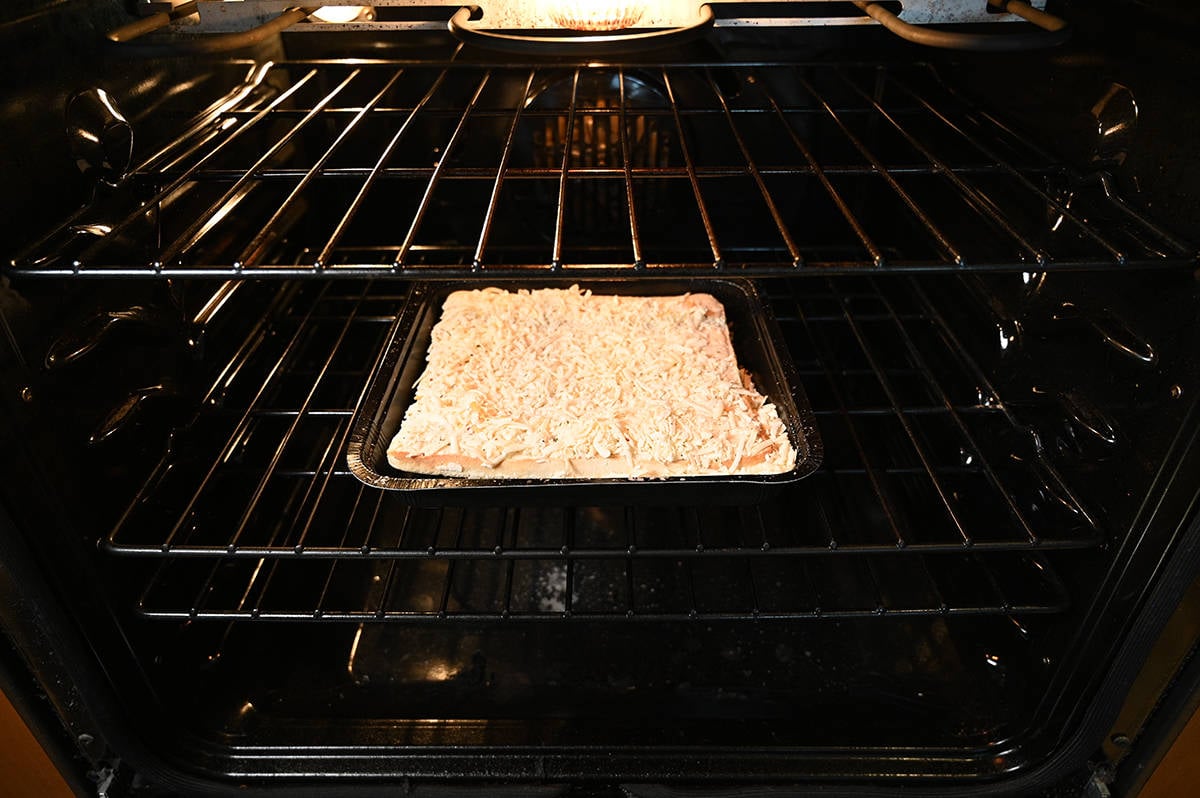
564, 379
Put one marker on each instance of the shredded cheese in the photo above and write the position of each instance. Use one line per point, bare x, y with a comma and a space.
569, 384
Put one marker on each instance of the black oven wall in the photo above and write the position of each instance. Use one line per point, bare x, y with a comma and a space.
1113, 100
54, 52
1009, 445
51, 50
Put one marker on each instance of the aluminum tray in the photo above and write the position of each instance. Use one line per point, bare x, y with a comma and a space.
757, 343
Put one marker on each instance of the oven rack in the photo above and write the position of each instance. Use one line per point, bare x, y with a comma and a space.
391, 169
583, 589
922, 454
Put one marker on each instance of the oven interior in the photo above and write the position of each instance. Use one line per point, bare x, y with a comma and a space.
989, 310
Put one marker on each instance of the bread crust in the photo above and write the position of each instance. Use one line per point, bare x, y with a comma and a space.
452, 465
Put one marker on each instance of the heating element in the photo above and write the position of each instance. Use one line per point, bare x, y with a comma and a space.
215, 16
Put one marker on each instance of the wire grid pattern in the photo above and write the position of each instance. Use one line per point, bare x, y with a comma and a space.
928, 472
450, 170
435, 590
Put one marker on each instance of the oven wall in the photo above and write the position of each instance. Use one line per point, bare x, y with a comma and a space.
1156, 165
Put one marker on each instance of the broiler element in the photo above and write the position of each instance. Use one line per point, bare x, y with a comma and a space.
225, 16
1054, 31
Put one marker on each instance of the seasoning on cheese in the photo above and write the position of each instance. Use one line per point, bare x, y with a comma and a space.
564, 383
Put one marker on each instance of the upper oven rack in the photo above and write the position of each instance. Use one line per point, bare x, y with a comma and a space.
376, 168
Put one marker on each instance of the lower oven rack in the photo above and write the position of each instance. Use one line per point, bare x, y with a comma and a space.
378, 168
931, 487
630, 589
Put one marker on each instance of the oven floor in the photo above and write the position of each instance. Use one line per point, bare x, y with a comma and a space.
860, 683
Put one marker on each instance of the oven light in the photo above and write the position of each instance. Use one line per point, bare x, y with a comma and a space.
339, 14
596, 15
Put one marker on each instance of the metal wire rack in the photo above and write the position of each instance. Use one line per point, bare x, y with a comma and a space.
579, 588
378, 168
925, 462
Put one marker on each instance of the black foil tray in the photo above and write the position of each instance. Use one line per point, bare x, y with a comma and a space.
757, 343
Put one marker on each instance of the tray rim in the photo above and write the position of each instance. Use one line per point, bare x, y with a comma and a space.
426, 297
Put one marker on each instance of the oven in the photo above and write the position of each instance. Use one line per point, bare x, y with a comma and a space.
970, 230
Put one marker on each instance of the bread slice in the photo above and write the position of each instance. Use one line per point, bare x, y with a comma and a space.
567, 384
